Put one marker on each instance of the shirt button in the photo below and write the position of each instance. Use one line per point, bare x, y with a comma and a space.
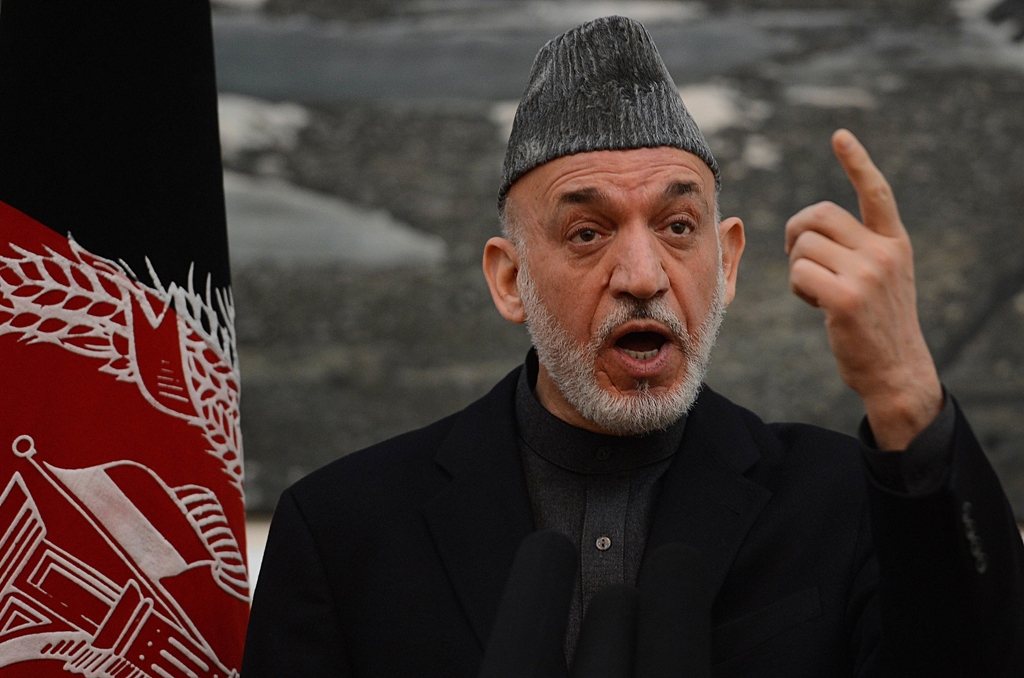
603, 543
604, 453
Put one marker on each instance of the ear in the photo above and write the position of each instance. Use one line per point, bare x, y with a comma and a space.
733, 239
501, 268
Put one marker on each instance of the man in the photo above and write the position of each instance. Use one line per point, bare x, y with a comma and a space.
392, 561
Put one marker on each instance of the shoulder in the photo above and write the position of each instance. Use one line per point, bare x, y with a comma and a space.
791, 451
412, 448
772, 438
403, 470
818, 461
810, 442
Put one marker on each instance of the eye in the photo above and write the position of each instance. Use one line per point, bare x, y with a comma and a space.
680, 228
585, 235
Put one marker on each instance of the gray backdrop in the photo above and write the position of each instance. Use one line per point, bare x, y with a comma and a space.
363, 143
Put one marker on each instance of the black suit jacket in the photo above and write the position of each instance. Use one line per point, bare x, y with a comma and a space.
391, 561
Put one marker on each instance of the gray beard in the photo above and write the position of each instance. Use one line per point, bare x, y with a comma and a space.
572, 366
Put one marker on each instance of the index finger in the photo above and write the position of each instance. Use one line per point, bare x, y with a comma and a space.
877, 204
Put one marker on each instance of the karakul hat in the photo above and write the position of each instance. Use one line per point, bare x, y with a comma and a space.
601, 86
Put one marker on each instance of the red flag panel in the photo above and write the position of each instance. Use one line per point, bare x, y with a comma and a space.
121, 513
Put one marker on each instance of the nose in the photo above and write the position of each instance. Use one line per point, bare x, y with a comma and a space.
638, 269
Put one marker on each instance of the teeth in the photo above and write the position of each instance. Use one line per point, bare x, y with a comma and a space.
641, 355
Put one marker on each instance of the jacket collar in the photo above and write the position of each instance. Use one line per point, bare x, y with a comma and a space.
706, 501
478, 520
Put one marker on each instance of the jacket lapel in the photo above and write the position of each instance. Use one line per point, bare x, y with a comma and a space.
478, 520
480, 517
705, 500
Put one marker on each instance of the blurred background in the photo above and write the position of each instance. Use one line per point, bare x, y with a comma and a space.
362, 144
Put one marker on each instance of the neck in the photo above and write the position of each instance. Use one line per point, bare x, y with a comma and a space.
554, 402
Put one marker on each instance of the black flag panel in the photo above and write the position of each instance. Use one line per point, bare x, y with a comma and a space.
122, 524
108, 129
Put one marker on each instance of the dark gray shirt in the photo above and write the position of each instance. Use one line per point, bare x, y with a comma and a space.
599, 490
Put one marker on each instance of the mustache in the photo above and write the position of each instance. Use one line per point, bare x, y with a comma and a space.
657, 310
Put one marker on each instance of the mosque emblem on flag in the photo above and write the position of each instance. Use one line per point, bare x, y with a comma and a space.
121, 513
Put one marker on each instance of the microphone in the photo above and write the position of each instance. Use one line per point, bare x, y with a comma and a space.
608, 634
674, 618
528, 637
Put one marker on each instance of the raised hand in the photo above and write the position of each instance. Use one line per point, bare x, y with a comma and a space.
861, 274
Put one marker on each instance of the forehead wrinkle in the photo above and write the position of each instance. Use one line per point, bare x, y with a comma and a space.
590, 196
598, 179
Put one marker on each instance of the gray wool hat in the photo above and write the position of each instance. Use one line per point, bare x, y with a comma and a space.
600, 87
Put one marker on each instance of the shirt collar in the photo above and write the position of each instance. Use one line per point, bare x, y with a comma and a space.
579, 450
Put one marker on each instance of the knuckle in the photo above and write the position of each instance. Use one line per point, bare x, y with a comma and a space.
883, 258
796, 247
825, 210
797, 266
792, 230
889, 261
905, 248
879, 192
800, 221
800, 283
847, 299
868, 275
798, 272
886, 260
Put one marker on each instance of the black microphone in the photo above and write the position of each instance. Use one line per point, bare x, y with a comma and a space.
674, 618
529, 631
608, 634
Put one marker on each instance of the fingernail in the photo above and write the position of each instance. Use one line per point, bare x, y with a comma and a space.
844, 138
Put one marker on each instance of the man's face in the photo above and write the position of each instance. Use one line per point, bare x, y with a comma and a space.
622, 283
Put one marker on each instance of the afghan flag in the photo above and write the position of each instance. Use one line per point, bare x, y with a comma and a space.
122, 524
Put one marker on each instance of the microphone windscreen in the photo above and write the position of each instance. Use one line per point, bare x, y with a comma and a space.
528, 637
674, 617
608, 634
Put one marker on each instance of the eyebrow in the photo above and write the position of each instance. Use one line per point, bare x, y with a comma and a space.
594, 196
678, 189
584, 196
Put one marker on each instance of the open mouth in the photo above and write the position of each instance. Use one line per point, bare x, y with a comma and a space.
641, 345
